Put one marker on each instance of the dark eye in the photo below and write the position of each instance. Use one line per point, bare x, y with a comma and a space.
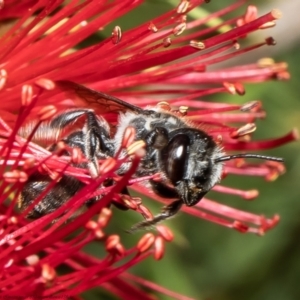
174, 157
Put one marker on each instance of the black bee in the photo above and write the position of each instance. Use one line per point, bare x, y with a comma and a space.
188, 159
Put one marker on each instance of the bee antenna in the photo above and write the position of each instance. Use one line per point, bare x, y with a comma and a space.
248, 155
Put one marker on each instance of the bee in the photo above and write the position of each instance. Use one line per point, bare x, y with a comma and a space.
188, 159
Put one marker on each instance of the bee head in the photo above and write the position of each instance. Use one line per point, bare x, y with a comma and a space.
193, 163
189, 163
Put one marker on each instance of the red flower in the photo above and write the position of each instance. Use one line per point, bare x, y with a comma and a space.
169, 59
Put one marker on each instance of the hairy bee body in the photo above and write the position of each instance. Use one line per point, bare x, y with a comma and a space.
187, 158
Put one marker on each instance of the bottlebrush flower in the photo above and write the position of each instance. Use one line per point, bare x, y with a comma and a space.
167, 58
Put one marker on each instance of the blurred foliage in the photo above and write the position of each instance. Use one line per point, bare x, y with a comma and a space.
207, 261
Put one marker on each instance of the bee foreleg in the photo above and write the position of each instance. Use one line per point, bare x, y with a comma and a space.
166, 213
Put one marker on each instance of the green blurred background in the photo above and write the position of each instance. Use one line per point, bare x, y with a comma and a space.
207, 261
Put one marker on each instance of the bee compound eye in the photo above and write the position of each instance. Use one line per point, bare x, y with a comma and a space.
175, 156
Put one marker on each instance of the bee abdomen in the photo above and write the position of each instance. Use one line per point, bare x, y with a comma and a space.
53, 199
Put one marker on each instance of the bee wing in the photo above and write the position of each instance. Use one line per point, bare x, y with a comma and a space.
102, 102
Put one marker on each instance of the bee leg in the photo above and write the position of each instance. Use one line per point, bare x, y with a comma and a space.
96, 129
95, 139
166, 213
118, 205
97, 142
163, 190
